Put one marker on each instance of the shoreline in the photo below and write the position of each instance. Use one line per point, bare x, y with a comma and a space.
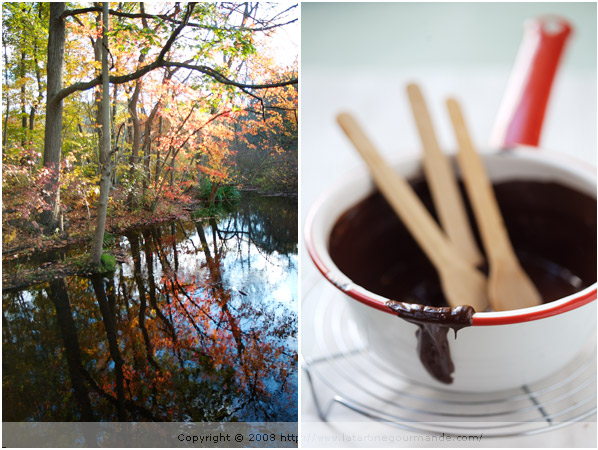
48, 248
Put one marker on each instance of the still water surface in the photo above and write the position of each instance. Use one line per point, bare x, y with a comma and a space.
198, 323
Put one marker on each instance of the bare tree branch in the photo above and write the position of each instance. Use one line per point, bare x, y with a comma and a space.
120, 79
224, 80
176, 32
168, 18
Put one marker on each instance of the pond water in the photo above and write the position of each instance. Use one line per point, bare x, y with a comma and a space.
198, 323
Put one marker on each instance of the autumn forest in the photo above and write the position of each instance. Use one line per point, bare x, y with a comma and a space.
149, 211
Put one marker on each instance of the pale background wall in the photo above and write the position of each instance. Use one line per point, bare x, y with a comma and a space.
353, 35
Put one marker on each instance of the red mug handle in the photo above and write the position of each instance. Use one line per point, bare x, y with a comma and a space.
522, 111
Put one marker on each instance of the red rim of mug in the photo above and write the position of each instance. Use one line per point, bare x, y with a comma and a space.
574, 301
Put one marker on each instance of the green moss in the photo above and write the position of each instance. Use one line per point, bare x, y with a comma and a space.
108, 262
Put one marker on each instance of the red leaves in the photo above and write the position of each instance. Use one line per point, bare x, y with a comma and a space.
213, 173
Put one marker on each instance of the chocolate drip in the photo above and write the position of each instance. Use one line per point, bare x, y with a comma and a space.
432, 343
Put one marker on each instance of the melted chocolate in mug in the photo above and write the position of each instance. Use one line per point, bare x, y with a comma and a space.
552, 228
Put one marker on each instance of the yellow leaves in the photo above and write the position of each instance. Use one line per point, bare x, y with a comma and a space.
9, 237
92, 194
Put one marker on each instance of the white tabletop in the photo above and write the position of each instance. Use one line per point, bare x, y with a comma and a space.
474, 67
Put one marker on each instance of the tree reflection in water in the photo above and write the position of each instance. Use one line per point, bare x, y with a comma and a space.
199, 325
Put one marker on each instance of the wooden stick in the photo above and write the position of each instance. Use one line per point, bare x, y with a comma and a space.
461, 282
509, 287
443, 182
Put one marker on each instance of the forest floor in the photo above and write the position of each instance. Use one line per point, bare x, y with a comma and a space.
29, 256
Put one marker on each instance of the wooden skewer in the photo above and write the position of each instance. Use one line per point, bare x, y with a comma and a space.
443, 182
509, 287
462, 284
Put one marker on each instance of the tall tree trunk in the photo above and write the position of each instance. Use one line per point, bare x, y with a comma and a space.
159, 163
133, 104
105, 163
115, 151
4, 135
134, 159
53, 130
172, 168
5, 65
97, 94
23, 101
38, 77
136, 143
